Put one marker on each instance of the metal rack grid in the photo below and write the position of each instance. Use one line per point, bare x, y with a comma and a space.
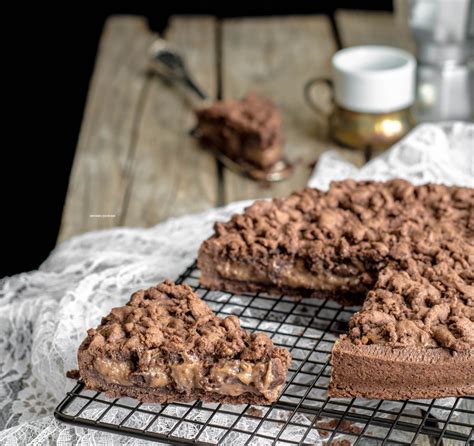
302, 415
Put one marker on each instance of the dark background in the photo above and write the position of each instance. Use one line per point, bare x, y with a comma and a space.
49, 55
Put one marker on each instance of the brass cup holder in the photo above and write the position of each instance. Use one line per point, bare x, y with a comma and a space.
357, 130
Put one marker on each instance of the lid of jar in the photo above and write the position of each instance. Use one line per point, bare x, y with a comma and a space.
374, 79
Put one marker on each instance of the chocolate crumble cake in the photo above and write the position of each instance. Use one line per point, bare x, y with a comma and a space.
403, 252
249, 130
167, 345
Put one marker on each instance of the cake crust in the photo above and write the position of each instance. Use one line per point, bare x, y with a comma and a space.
167, 345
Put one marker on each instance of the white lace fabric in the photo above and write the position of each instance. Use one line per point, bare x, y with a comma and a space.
44, 314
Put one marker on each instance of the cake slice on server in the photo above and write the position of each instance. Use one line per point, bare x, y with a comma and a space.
248, 131
403, 252
167, 345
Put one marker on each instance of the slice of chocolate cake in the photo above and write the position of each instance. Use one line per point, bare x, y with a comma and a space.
248, 131
167, 345
405, 252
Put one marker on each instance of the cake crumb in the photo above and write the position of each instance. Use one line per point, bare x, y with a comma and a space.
73, 374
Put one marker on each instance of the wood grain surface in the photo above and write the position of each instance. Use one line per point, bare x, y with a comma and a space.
171, 175
373, 27
100, 174
135, 162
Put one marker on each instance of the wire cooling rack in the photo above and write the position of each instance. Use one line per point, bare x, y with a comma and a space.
302, 415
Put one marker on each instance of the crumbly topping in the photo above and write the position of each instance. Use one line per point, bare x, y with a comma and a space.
412, 246
170, 323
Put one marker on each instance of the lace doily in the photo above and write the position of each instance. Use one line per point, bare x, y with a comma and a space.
442, 153
44, 314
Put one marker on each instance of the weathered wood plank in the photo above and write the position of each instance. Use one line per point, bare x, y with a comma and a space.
275, 57
135, 163
171, 174
100, 175
373, 27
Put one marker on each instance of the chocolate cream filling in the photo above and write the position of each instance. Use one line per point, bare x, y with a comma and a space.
291, 275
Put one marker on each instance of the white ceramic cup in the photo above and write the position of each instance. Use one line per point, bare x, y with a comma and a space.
373, 79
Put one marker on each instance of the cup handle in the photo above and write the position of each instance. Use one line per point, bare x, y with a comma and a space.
307, 93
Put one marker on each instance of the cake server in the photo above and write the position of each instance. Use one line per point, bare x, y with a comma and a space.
168, 63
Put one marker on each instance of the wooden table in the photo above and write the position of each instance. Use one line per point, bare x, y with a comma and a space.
136, 164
